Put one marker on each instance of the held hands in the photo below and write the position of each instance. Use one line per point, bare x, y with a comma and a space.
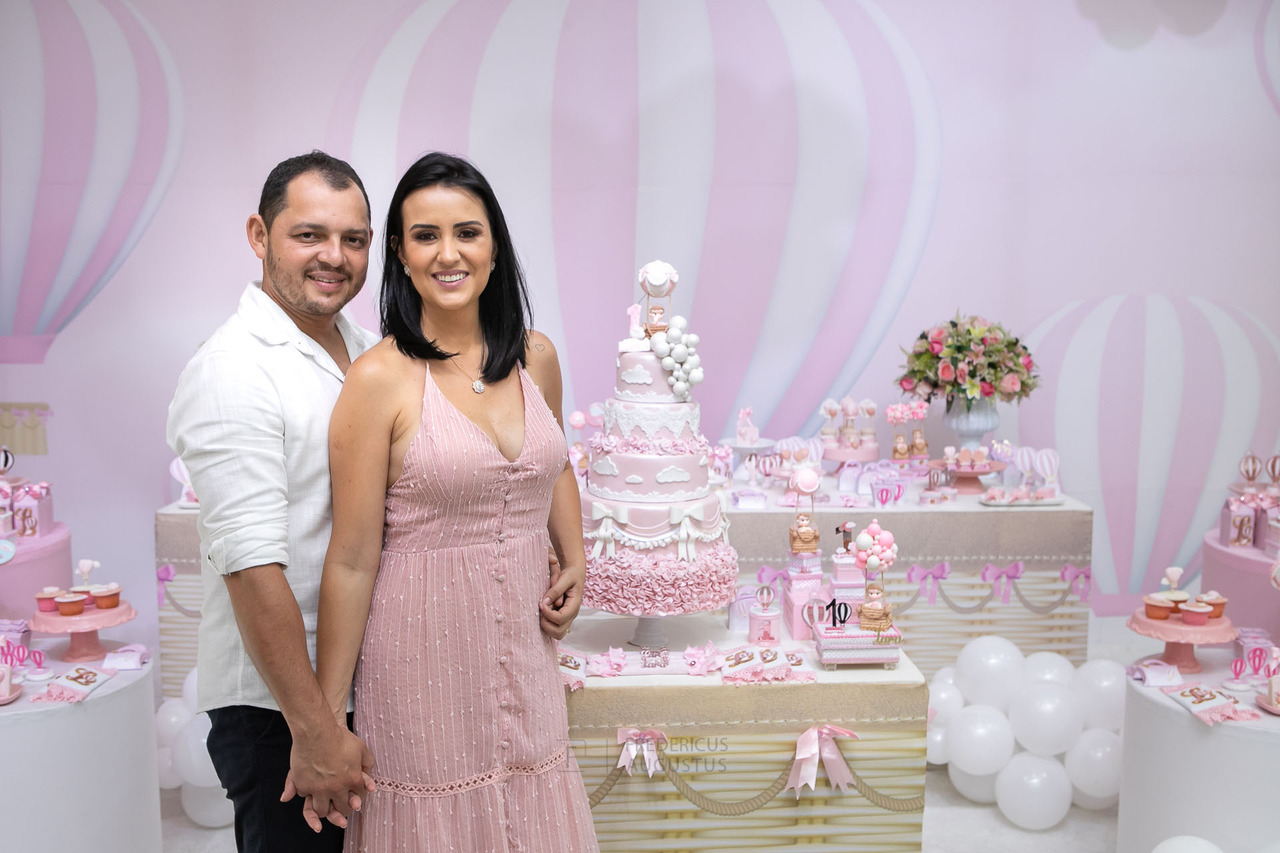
560, 606
332, 772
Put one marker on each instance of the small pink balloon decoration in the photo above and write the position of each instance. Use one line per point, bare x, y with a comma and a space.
806, 481
37, 657
1273, 468
577, 419
1257, 658
1250, 467
1237, 668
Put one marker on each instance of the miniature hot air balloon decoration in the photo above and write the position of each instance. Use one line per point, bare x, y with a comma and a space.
1250, 468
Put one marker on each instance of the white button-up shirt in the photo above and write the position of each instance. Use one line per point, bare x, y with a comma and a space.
250, 420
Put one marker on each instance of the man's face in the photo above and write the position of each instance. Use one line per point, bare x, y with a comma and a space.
316, 253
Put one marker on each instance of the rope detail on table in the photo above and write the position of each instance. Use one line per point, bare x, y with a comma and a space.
737, 808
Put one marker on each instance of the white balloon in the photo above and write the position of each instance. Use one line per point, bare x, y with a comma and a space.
207, 805
947, 674
1093, 804
671, 380
189, 691
679, 352
692, 340
1048, 666
1186, 844
169, 775
674, 336
1093, 763
935, 741
1100, 686
679, 322
191, 754
693, 360
989, 671
1046, 718
659, 338
680, 388
1033, 792
660, 347
668, 363
946, 700
171, 718
979, 740
695, 375
979, 789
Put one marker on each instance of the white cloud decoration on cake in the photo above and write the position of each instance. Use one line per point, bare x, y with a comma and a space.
635, 480
605, 467
673, 474
637, 375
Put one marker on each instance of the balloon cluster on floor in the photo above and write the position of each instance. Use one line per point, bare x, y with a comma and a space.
1031, 734
184, 758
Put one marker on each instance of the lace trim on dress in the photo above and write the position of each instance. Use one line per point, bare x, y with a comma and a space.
480, 780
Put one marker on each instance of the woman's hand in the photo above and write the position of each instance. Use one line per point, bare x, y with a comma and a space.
560, 606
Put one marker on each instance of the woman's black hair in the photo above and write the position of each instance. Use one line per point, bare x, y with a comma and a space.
505, 317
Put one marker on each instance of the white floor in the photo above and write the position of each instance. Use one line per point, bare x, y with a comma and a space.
952, 824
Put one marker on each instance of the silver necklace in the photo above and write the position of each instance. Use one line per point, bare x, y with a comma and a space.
477, 385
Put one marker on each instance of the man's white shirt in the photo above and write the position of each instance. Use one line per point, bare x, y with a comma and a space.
250, 420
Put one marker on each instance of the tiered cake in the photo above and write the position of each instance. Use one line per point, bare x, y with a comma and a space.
39, 547
654, 532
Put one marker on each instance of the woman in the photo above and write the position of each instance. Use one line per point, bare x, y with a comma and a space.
449, 471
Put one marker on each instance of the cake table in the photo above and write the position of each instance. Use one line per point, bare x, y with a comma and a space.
1243, 575
1180, 640
83, 629
1181, 777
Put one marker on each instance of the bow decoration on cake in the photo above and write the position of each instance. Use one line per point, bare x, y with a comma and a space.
766, 575
636, 742
164, 574
818, 742
609, 519
686, 548
922, 576
1080, 578
1002, 578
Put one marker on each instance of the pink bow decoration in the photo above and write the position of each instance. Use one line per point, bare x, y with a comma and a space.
1001, 579
35, 490
608, 664
636, 742
1080, 578
768, 574
922, 576
818, 742
700, 660
164, 574
1257, 500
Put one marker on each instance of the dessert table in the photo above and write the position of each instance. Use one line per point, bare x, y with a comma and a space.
84, 774
1174, 765
963, 569
729, 743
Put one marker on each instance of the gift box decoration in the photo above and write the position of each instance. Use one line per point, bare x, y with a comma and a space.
793, 604
845, 569
33, 509
1236, 528
805, 562
804, 581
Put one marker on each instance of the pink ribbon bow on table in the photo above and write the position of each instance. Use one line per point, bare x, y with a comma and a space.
766, 575
608, 664
1001, 579
701, 660
164, 574
637, 742
922, 576
1080, 578
818, 742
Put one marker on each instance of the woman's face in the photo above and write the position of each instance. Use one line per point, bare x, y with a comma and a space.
447, 246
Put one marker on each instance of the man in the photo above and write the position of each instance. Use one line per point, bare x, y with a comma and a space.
250, 419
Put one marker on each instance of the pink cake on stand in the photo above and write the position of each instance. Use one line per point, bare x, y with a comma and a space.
655, 536
39, 545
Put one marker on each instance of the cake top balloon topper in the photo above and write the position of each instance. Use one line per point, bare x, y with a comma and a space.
7, 459
657, 280
1251, 468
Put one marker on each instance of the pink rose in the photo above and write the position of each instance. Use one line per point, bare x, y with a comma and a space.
946, 372
962, 372
987, 388
1027, 362
938, 333
935, 347
906, 383
1010, 384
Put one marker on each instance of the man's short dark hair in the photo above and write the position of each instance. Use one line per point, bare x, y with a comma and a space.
338, 174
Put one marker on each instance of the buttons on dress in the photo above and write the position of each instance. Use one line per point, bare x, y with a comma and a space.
506, 744
498, 618
500, 577
504, 704
503, 660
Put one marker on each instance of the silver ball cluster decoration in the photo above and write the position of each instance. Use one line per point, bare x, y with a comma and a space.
678, 349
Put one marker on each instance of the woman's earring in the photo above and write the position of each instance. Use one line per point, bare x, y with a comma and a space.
493, 265
406, 270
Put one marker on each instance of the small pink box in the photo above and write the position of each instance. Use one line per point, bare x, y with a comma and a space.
793, 604
765, 626
1236, 525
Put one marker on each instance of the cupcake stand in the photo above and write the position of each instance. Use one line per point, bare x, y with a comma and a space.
83, 629
1180, 640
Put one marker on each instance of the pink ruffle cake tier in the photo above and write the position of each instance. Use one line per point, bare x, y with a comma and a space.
633, 583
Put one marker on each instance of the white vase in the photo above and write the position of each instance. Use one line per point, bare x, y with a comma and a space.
972, 425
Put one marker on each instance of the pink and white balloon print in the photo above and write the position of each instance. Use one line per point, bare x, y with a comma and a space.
92, 115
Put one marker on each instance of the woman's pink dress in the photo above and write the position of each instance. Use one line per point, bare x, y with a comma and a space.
458, 693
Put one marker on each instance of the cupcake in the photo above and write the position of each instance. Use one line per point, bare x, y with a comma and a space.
1177, 596
86, 591
107, 597
45, 602
71, 604
1195, 613
1158, 605
1216, 600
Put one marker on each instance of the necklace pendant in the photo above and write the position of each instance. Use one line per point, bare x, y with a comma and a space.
477, 386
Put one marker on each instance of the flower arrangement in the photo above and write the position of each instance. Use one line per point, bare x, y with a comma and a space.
968, 359
899, 413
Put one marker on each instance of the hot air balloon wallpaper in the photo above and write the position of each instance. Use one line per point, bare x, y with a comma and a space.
90, 133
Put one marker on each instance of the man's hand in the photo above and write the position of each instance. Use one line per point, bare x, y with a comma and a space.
332, 772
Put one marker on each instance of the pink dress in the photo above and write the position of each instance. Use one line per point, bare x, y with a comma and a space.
458, 693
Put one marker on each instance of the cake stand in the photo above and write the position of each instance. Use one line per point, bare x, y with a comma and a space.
83, 629
749, 453
968, 480
1180, 639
